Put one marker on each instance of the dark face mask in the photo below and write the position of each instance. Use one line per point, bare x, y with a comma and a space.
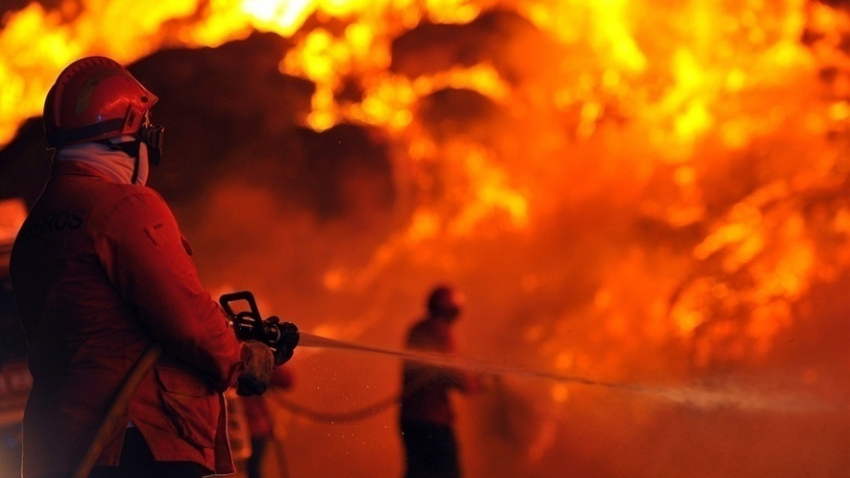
152, 137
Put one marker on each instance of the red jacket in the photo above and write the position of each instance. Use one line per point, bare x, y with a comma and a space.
101, 272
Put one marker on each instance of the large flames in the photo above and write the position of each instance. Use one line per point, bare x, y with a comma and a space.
639, 191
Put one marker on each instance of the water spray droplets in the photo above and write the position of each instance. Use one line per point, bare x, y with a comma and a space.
706, 396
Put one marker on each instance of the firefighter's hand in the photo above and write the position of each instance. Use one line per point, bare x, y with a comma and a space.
259, 362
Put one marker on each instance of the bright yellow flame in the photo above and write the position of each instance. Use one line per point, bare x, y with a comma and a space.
388, 103
452, 11
611, 62
28, 68
490, 193
743, 229
603, 23
424, 225
278, 16
839, 111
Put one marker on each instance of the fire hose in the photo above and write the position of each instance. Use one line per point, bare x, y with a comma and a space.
249, 325
351, 415
331, 417
107, 426
281, 337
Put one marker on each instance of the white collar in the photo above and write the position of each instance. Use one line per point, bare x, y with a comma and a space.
116, 164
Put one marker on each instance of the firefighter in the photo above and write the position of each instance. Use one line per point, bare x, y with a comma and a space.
426, 417
101, 273
261, 426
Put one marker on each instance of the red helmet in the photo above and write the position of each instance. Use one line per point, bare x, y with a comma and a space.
94, 98
444, 301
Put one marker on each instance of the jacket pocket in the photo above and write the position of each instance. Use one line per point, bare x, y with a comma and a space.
190, 404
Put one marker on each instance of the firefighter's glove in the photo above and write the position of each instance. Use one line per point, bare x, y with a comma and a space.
259, 362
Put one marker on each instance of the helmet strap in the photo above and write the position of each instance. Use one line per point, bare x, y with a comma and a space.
135, 170
58, 136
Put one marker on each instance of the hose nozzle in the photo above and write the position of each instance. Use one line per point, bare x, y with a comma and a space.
281, 337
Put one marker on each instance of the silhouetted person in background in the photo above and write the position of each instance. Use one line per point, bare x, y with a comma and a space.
427, 418
261, 424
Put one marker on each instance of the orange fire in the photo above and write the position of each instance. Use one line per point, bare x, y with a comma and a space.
666, 181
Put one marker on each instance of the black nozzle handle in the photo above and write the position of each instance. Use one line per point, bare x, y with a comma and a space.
282, 337
226, 299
